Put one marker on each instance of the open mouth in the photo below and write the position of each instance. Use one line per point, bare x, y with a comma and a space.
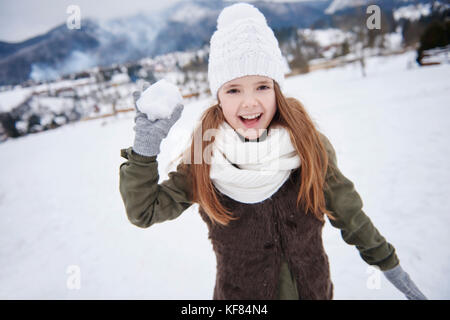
250, 121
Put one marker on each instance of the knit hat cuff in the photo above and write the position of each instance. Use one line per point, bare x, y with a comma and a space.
248, 64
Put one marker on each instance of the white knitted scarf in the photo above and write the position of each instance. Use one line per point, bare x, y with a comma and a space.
262, 167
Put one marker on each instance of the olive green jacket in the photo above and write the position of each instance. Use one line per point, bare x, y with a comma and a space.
147, 202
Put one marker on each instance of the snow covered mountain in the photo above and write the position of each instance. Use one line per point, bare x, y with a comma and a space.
64, 51
338, 6
185, 25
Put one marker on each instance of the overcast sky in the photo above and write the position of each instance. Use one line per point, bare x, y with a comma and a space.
23, 19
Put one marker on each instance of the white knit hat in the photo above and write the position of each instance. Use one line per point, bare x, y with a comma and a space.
242, 45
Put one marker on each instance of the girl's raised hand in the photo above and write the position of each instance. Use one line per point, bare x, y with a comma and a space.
150, 133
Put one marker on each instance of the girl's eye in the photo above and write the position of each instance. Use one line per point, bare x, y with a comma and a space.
232, 91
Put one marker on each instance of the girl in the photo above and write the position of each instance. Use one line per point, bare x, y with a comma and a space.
263, 176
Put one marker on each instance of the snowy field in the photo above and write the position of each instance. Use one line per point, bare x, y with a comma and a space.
64, 233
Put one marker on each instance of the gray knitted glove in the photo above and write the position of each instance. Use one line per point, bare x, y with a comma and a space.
149, 134
401, 280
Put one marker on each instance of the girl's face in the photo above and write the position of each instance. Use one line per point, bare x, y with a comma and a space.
246, 97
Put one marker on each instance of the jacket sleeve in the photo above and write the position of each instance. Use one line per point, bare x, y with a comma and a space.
147, 202
356, 227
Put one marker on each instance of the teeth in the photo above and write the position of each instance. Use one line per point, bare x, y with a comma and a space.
251, 117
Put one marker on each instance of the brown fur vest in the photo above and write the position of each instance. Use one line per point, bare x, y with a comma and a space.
249, 249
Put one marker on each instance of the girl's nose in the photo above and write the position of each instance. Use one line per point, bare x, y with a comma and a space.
249, 100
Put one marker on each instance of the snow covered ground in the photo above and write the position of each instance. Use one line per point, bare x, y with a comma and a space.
64, 232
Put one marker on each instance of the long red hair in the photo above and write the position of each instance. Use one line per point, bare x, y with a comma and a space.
292, 115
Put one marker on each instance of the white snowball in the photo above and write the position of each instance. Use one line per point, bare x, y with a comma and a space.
159, 100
